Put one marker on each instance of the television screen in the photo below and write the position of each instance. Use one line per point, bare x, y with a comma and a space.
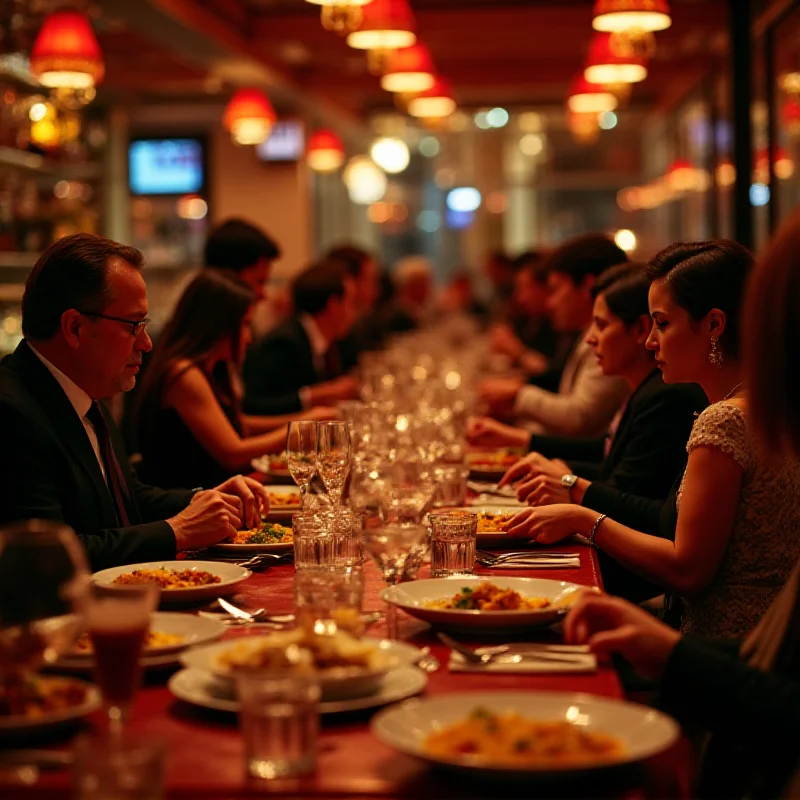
165, 166
285, 143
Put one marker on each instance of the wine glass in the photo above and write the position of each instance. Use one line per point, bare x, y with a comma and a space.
333, 457
301, 455
43, 574
390, 547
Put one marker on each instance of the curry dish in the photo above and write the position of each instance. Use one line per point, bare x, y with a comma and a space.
512, 740
153, 641
168, 578
268, 533
39, 696
487, 596
493, 523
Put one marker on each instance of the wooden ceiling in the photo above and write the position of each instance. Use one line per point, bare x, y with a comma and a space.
495, 52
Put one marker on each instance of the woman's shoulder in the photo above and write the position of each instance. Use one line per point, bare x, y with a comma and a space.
184, 377
724, 426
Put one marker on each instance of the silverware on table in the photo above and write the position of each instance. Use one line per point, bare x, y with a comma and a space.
427, 662
479, 656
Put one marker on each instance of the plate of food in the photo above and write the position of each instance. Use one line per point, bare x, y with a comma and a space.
284, 502
491, 525
491, 462
469, 604
346, 666
269, 537
169, 634
43, 702
179, 581
525, 734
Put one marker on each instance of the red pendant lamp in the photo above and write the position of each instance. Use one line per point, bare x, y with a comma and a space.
409, 70
606, 67
782, 167
386, 25
632, 24
434, 103
588, 98
791, 116
66, 54
249, 116
340, 16
325, 151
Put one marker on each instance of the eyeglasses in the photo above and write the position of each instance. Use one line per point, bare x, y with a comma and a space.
137, 325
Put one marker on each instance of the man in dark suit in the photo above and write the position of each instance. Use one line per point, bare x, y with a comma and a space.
84, 317
298, 365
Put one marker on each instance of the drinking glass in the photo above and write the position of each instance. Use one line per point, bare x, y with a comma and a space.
333, 457
301, 454
390, 546
279, 718
451, 490
121, 767
313, 541
409, 491
43, 575
330, 597
118, 620
453, 539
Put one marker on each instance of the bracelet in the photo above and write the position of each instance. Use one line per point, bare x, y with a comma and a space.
593, 531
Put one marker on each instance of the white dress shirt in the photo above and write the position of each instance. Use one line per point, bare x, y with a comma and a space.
319, 347
81, 402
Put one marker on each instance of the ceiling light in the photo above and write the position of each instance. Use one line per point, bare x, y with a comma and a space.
325, 151
587, 98
436, 102
605, 66
409, 70
623, 15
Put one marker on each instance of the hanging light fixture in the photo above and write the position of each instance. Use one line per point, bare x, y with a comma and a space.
782, 167
587, 98
249, 116
632, 24
325, 151
583, 127
791, 116
386, 25
409, 70
605, 67
434, 103
340, 16
682, 176
66, 54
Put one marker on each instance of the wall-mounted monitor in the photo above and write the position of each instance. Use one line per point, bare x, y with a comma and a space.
285, 143
166, 166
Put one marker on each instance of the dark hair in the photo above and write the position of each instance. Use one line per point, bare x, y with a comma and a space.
314, 287
625, 289
772, 343
353, 258
706, 275
589, 254
236, 245
210, 310
71, 273
535, 262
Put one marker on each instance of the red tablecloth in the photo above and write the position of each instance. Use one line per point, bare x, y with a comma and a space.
206, 753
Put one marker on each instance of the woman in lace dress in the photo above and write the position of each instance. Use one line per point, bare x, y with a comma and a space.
738, 529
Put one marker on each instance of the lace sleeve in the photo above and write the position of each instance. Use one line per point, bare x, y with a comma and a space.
724, 427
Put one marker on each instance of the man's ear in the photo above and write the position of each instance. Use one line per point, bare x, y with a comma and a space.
72, 327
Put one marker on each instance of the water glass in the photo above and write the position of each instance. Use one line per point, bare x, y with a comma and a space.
345, 527
313, 541
330, 594
451, 489
120, 767
279, 718
453, 540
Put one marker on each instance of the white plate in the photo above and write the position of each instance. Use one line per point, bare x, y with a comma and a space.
194, 630
252, 549
201, 689
497, 539
336, 684
230, 574
643, 731
18, 726
413, 596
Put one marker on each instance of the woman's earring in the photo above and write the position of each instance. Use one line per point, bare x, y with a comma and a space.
715, 355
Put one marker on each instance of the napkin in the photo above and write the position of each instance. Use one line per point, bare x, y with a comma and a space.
540, 563
580, 662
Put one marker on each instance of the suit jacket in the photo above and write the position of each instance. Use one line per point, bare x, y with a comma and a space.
50, 471
276, 368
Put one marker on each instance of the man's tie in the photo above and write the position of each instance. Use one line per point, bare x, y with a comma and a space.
333, 362
114, 477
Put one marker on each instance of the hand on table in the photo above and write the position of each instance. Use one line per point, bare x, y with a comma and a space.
612, 625
532, 465
549, 524
504, 340
491, 433
211, 517
544, 490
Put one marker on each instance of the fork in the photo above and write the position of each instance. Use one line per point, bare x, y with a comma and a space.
506, 656
487, 559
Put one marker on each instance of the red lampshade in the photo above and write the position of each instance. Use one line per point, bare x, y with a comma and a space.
604, 66
325, 151
409, 70
782, 167
615, 16
66, 53
249, 116
588, 98
435, 102
386, 25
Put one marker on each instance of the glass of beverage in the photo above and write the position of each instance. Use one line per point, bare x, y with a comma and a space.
117, 620
451, 490
390, 546
279, 718
43, 576
301, 454
123, 767
313, 541
453, 538
409, 491
333, 457
327, 598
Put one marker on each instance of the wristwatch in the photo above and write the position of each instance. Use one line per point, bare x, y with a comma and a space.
568, 481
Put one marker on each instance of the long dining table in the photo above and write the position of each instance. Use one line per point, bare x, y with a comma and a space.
205, 755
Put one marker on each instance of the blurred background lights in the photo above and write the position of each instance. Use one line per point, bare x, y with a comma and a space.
429, 221
625, 239
759, 194
496, 203
530, 122
482, 120
607, 120
37, 112
391, 155
429, 146
531, 144
366, 183
463, 198
497, 118
192, 207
